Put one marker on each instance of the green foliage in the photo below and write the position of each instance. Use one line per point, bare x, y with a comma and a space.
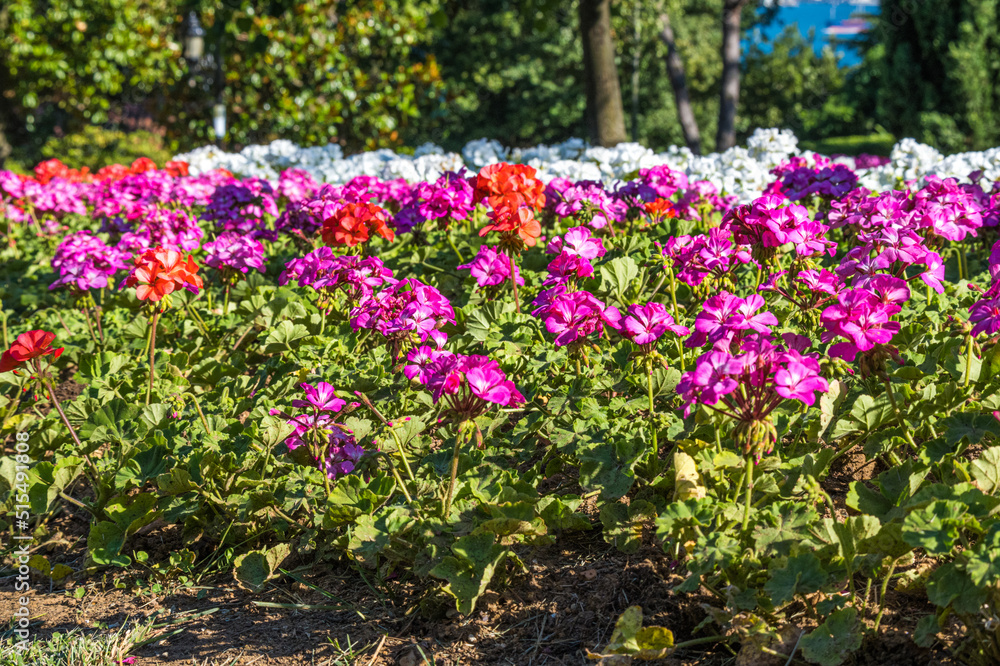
790, 86
353, 73
79, 55
350, 73
933, 72
96, 147
633, 641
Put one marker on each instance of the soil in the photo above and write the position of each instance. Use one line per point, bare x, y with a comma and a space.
563, 602
567, 601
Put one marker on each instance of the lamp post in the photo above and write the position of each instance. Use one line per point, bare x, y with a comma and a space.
194, 39
206, 68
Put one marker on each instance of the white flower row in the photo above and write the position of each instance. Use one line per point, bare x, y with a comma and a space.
742, 171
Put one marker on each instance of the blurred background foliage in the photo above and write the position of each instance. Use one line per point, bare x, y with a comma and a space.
100, 81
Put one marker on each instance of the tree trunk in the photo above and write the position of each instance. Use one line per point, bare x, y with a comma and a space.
5, 148
726, 136
675, 70
605, 115
5, 109
636, 63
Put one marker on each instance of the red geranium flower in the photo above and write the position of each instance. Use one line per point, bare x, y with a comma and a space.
49, 169
160, 272
142, 165
509, 186
352, 223
660, 209
520, 221
30, 345
176, 168
514, 193
113, 172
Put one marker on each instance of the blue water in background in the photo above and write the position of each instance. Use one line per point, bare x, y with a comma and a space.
816, 15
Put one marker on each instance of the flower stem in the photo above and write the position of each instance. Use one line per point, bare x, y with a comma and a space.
197, 320
451, 242
392, 431
881, 596
454, 471
152, 353
55, 403
62, 321
899, 416
402, 486
201, 414
968, 362
700, 641
654, 464
90, 326
513, 282
225, 305
749, 495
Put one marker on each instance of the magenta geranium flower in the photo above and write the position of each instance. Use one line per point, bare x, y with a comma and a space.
725, 317
799, 381
863, 319
645, 324
578, 241
748, 386
491, 268
575, 315
568, 268
469, 385
322, 398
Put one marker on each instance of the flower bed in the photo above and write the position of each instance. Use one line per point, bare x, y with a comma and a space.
431, 378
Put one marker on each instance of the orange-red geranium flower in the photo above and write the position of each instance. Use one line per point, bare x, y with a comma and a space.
660, 209
521, 222
30, 345
160, 272
176, 168
142, 165
113, 172
509, 186
352, 223
49, 169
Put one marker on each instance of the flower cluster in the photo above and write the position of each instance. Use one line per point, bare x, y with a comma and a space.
158, 273
726, 319
470, 385
405, 313
863, 317
243, 206
586, 200
358, 277
766, 224
157, 225
578, 241
573, 316
825, 180
28, 347
236, 253
645, 324
331, 446
750, 381
85, 262
490, 268
697, 257
352, 223
450, 197
514, 193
